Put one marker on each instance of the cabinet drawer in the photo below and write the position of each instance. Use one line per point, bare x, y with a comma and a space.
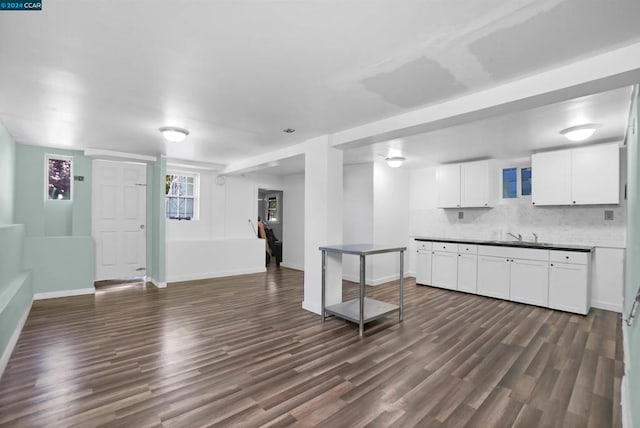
514, 252
569, 257
422, 245
467, 249
446, 247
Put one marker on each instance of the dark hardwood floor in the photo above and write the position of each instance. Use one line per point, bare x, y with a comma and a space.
241, 352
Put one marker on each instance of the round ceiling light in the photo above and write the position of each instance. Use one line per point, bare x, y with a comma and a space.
581, 132
395, 161
173, 134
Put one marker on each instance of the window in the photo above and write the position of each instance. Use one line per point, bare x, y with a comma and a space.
526, 181
181, 196
509, 183
272, 208
59, 173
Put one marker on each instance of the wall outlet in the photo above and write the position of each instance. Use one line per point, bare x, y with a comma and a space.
460, 215
608, 214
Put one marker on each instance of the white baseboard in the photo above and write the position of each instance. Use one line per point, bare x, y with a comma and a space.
607, 306
311, 308
157, 284
625, 398
219, 274
64, 293
294, 267
4, 359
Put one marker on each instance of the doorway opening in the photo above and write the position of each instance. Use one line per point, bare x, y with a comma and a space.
271, 217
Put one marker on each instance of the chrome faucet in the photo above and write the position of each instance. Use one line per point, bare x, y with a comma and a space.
518, 236
535, 238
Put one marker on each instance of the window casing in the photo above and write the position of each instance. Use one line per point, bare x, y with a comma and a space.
181, 196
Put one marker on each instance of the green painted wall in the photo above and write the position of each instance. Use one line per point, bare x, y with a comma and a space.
7, 175
156, 235
60, 263
16, 292
51, 218
632, 272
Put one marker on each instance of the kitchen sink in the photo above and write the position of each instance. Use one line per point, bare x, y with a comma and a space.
523, 243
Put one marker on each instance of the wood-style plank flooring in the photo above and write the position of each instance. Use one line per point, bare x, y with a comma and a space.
241, 352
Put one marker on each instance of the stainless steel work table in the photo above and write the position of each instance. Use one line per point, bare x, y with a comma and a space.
363, 309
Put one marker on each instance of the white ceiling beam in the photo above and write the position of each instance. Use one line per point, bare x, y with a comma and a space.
599, 73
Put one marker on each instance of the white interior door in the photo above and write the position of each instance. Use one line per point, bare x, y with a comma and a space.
119, 219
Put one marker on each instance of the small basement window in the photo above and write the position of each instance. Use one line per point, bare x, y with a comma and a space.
181, 197
59, 178
509, 183
526, 181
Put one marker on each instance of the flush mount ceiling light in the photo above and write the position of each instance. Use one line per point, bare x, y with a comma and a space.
581, 132
174, 134
395, 161
289, 130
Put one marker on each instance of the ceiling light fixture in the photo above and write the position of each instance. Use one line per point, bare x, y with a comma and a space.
395, 161
173, 134
581, 132
289, 130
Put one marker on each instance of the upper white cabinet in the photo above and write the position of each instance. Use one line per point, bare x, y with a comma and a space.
595, 175
448, 181
582, 176
466, 185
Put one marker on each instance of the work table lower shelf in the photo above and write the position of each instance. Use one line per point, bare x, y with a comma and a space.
350, 309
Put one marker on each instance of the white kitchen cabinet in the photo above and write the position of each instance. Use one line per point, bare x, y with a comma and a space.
444, 269
493, 276
530, 282
467, 272
551, 178
477, 184
569, 281
595, 176
448, 184
423, 263
466, 185
582, 176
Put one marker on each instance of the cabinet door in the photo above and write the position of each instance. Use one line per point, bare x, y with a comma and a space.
423, 267
595, 175
530, 282
444, 270
467, 272
493, 276
551, 178
474, 184
568, 287
448, 183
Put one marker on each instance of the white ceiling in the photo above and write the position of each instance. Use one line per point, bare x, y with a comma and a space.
108, 74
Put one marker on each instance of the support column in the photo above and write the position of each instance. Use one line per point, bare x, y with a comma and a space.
322, 222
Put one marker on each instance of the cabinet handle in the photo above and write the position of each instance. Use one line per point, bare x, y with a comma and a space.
567, 257
533, 203
551, 264
574, 202
458, 255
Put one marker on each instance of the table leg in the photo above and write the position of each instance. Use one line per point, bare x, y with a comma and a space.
401, 311
324, 269
362, 286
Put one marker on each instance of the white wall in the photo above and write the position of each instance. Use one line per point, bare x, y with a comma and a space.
293, 226
222, 241
560, 225
357, 217
391, 196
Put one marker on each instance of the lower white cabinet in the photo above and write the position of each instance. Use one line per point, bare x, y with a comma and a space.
530, 282
467, 272
493, 276
568, 287
444, 270
423, 267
